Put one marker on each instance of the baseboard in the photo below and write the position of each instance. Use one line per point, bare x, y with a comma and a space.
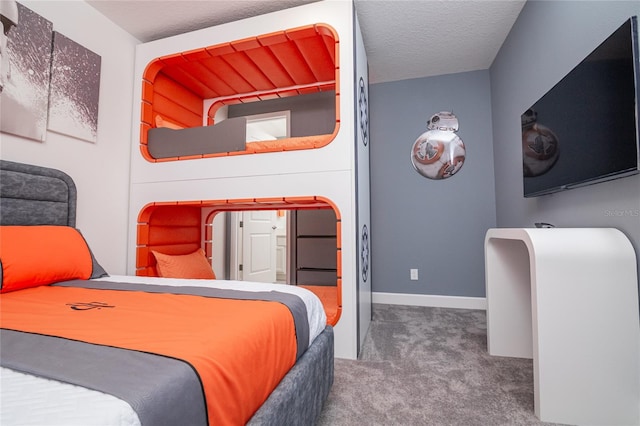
457, 302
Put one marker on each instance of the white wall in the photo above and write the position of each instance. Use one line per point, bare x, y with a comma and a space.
100, 170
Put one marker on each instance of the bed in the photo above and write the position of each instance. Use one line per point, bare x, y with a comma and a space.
79, 346
183, 93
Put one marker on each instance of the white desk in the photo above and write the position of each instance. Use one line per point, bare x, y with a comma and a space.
568, 298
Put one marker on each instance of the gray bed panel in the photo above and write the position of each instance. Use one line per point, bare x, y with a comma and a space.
227, 136
300, 396
33, 212
34, 195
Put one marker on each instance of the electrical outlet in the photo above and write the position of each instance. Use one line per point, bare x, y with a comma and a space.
414, 274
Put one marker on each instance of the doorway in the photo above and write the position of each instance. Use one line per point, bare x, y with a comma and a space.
259, 241
286, 246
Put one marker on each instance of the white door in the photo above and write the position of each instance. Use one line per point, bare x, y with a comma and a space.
281, 247
259, 246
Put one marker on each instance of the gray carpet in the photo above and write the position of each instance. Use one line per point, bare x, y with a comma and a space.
429, 366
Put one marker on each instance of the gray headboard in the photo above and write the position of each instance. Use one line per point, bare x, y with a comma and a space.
34, 195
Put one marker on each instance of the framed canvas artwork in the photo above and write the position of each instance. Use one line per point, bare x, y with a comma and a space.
25, 55
75, 89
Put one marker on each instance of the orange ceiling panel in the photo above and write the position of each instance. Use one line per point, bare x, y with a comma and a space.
299, 56
293, 62
271, 67
170, 89
315, 54
246, 44
196, 55
273, 38
252, 73
211, 84
300, 33
228, 74
186, 79
165, 107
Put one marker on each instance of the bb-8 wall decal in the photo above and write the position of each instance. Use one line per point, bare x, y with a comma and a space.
540, 146
439, 153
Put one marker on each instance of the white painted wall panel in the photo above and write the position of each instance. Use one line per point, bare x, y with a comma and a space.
100, 170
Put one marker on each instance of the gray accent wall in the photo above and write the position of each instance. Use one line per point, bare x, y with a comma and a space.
437, 227
547, 41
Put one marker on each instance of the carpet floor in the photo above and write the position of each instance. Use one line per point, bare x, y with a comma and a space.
429, 366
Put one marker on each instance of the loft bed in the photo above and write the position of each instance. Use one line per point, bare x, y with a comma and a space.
184, 93
44, 380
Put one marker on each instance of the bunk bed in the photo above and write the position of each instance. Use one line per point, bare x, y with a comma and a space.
192, 105
183, 93
193, 152
50, 374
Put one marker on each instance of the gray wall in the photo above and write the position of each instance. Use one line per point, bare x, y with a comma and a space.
547, 41
437, 227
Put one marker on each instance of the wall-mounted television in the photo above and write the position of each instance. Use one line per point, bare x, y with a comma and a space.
586, 129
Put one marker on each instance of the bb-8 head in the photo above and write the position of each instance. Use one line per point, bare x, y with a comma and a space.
444, 120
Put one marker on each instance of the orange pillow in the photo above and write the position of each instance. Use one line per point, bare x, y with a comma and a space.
32, 256
192, 265
161, 122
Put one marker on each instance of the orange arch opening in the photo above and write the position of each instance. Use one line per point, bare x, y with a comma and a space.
177, 228
277, 65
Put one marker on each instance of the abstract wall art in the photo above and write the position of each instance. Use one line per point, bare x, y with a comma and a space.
25, 55
75, 89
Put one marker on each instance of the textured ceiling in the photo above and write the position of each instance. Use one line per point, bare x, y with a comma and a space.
403, 38
410, 39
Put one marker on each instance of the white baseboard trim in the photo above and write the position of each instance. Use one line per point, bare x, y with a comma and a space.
434, 301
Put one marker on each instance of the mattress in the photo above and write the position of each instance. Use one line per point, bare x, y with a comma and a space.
27, 399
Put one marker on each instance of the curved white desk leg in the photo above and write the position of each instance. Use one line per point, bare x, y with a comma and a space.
568, 298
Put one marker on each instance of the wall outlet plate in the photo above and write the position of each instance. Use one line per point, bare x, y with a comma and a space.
414, 274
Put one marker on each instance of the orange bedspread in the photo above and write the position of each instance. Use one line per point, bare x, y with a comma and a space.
241, 349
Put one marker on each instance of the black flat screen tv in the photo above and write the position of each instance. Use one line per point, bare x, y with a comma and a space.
586, 129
